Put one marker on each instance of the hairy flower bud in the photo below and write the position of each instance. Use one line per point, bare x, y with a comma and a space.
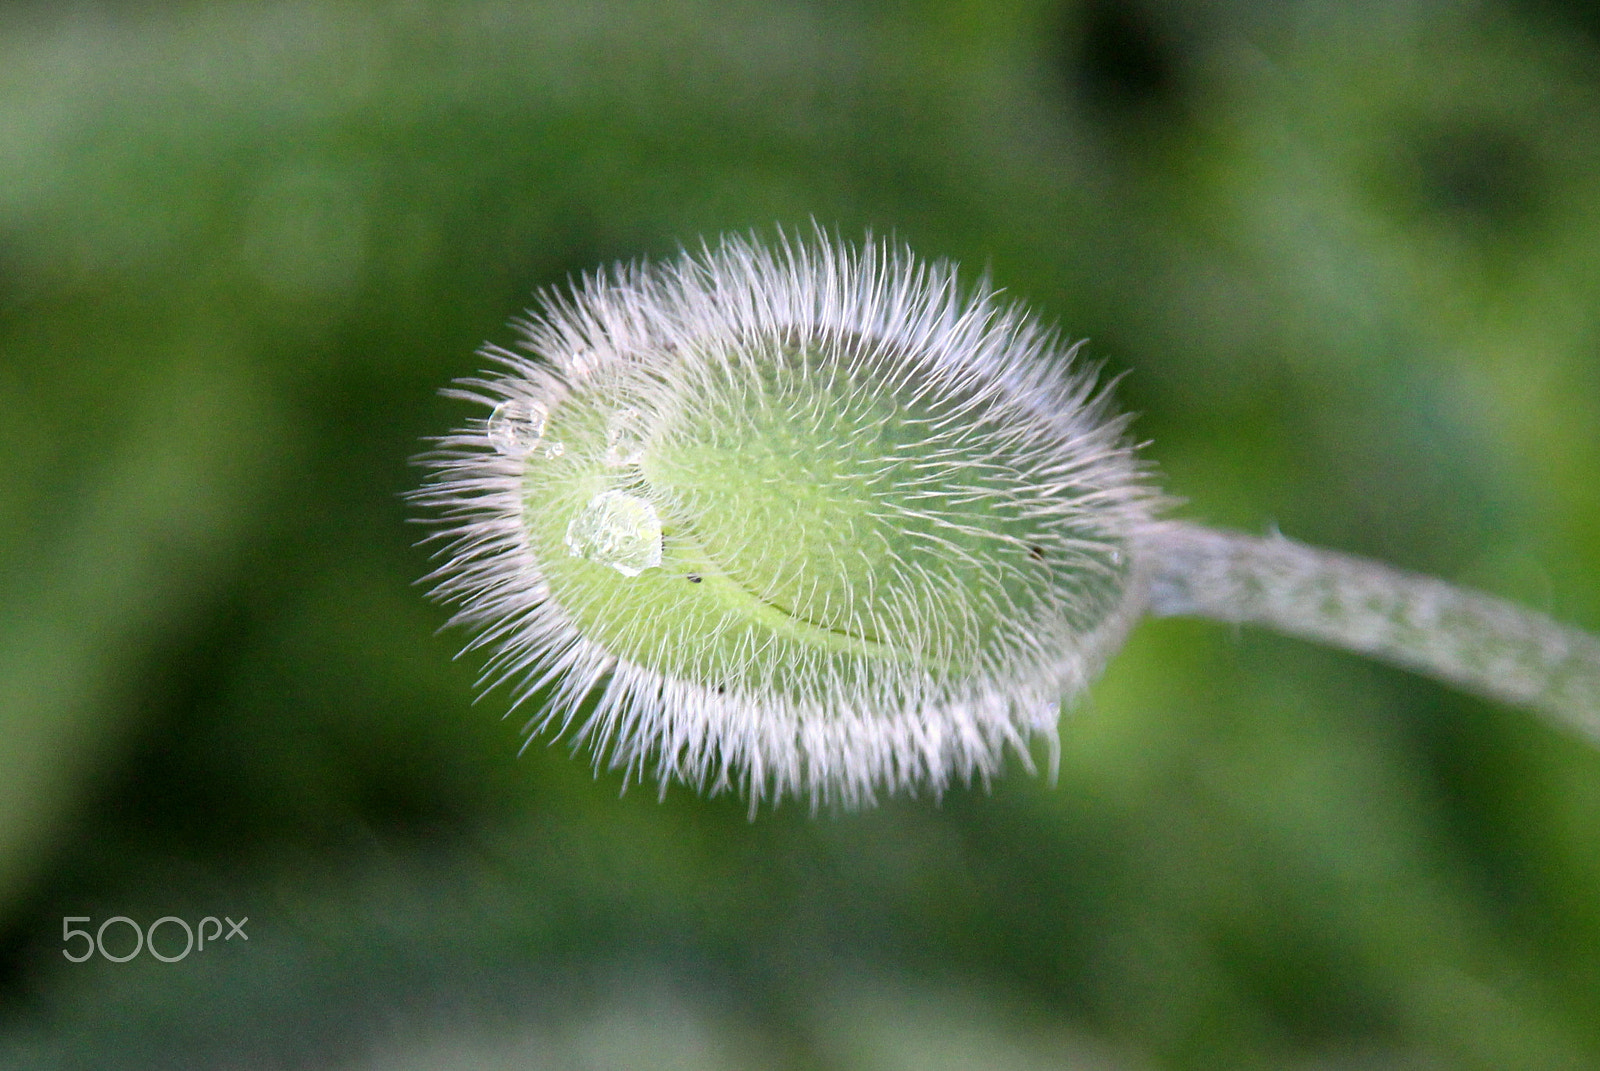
797, 520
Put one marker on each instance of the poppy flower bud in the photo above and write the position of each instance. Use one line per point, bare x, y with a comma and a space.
805, 519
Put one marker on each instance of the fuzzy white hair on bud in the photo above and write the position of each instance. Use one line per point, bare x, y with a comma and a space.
810, 519
804, 519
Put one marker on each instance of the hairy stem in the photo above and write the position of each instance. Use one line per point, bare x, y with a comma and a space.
1477, 642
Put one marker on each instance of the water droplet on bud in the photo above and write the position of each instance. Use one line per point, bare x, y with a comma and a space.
619, 530
624, 438
516, 426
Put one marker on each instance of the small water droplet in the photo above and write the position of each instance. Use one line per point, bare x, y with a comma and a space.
624, 439
516, 426
619, 530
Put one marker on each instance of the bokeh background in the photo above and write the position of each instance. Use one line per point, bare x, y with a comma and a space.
1347, 255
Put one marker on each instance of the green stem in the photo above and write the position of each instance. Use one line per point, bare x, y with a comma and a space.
1477, 642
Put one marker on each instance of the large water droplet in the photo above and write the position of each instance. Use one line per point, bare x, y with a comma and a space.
619, 530
516, 426
624, 438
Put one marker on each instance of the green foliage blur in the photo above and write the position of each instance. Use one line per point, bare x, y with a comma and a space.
1347, 254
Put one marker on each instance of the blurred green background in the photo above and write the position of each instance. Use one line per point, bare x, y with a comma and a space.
1348, 255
